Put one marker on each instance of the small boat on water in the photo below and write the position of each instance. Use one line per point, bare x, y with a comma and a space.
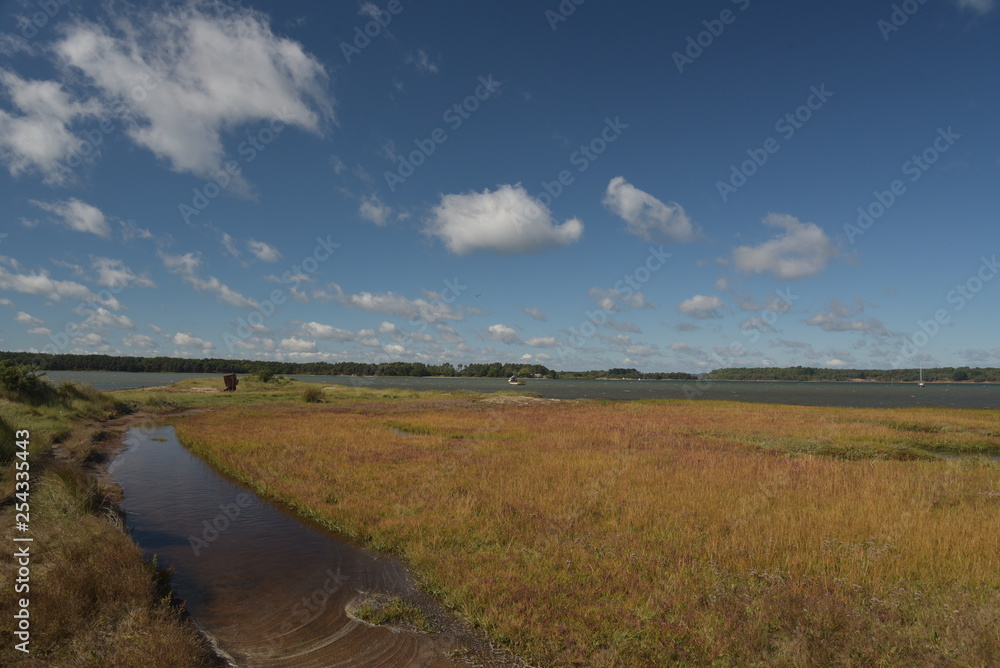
513, 380
921, 382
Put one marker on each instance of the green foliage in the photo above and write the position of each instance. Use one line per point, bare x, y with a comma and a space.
262, 372
23, 383
313, 395
7, 447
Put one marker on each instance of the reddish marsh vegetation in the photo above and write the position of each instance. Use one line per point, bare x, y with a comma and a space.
623, 534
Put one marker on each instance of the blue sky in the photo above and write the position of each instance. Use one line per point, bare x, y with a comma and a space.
667, 186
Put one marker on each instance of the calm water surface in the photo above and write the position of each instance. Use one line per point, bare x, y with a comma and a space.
861, 395
270, 588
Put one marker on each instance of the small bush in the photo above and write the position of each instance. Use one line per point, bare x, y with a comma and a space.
23, 383
313, 395
7, 447
262, 373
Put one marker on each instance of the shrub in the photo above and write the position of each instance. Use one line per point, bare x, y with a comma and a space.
262, 373
23, 383
313, 395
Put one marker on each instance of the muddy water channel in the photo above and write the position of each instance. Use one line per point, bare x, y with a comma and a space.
269, 588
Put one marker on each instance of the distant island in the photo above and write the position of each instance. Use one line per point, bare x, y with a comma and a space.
70, 362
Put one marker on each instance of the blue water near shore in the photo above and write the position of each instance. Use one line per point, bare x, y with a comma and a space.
860, 395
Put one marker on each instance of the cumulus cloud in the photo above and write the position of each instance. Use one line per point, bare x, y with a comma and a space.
101, 318
27, 319
327, 332
37, 138
801, 251
78, 216
374, 210
140, 341
614, 300
186, 340
507, 221
264, 252
536, 313
701, 306
542, 342
502, 333
297, 345
390, 303
40, 283
181, 76
841, 318
647, 217
113, 273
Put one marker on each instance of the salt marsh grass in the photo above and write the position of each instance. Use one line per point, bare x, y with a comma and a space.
653, 533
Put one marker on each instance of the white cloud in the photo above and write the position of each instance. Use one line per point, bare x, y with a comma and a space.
40, 331
507, 221
328, 332
423, 62
186, 266
181, 76
264, 252
535, 313
27, 319
648, 218
613, 300
185, 340
78, 216
113, 273
501, 333
41, 284
140, 341
836, 363
38, 139
390, 303
6, 302
701, 306
374, 210
297, 345
980, 6
838, 318
802, 251
542, 342
103, 318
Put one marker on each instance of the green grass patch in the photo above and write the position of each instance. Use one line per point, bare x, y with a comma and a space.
380, 609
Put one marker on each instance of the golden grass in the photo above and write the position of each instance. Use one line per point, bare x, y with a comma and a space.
94, 601
652, 533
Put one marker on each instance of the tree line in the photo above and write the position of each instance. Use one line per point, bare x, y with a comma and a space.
805, 373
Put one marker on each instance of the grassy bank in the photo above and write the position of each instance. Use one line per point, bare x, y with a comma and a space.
651, 533
93, 600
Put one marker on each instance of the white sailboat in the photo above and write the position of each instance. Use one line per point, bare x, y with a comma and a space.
920, 383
